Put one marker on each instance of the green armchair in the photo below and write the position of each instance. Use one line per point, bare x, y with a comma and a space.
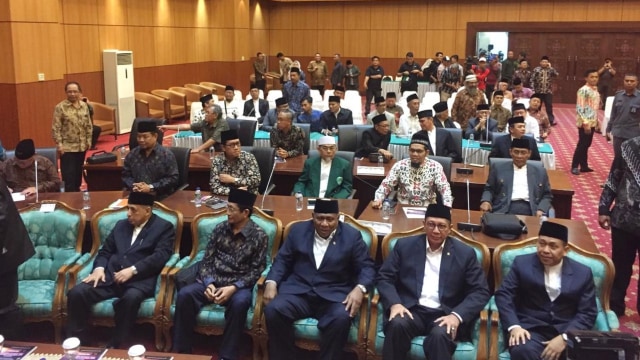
57, 238
210, 320
306, 330
477, 348
601, 267
152, 309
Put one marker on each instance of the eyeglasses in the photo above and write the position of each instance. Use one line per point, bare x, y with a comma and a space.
441, 227
234, 145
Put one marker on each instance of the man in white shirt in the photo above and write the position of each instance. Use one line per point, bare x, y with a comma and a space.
322, 270
409, 123
515, 187
381, 109
231, 108
255, 107
411, 283
530, 123
545, 295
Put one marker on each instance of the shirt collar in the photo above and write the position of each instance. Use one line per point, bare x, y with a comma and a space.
436, 251
329, 238
554, 268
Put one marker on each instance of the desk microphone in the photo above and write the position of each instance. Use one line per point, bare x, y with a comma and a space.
36, 170
264, 196
465, 170
469, 226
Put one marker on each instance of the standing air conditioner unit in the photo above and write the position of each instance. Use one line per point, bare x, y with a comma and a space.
119, 89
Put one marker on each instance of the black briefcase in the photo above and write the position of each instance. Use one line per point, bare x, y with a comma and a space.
601, 345
101, 157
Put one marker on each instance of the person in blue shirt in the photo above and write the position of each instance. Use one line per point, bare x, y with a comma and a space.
309, 115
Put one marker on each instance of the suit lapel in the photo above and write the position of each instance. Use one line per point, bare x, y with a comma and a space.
567, 276
507, 182
141, 235
420, 262
445, 265
332, 183
531, 181
309, 244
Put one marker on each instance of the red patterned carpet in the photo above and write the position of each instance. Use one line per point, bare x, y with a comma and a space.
587, 193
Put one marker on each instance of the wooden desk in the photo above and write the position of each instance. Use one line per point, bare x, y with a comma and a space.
366, 185
42, 349
561, 189
578, 232
108, 176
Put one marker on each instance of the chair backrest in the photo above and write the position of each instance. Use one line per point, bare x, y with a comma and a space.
445, 161
183, 155
496, 134
265, 158
196, 106
306, 128
457, 139
133, 136
246, 130
350, 137
56, 236
601, 266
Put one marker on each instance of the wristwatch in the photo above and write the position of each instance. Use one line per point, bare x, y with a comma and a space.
134, 270
362, 288
564, 337
151, 187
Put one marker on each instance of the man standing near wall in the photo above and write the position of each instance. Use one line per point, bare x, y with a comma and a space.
72, 131
373, 82
318, 72
542, 82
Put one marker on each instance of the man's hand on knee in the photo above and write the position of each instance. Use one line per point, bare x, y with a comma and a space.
554, 348
518, 336
450, 322
399, 309
353, 301
270, 292
96, 276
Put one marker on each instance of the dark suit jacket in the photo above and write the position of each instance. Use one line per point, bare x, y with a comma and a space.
499, 188
462, 288
309, 182
328, 120
13, 234
263, 106
481, 135
371, 142
447, 123
345, 264
502, 145
523, 300
148, 253
445, 145
269, 120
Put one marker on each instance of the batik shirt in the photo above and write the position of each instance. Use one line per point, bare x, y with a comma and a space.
292, 142
19, 179
542, 79
72, 127
464, 107
245, 169
416, 186
587, 105
159, 169
234, 259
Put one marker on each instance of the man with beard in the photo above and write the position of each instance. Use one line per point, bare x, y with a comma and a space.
416, 178
466, 102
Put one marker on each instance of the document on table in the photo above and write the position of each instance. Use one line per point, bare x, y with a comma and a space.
380, 228
18, 197
414, 212
370, 170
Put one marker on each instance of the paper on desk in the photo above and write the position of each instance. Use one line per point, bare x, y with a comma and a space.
414, 212
380, 228
370, 170
18, 196
118, 204
47, 207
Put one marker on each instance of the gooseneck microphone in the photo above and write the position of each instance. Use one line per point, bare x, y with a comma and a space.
36, 171
469, 226
264, 195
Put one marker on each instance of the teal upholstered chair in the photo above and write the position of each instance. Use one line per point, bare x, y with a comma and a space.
57, 238
151, 309
601, 267
307, 335
210, 320
474, 349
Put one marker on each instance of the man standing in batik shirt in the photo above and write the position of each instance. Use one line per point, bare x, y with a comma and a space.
542, 83
259, 70
234, 168
416, 178
466, 102
233, 261
587, 105
318, 72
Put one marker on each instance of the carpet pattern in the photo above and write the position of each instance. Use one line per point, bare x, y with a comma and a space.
564, 137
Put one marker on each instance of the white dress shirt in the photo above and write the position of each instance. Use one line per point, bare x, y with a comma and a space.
136, 232
432, 140
325, 169
553, 280
520, 189
320, 246
408, 124
430, 296
231, 108
532, 127
256, 108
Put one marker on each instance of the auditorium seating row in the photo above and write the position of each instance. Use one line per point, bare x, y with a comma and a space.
59, 264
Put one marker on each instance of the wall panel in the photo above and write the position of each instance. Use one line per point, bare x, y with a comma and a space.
112, 12
281, 17
7, 70
202, 45
440, 40
538, 10
306, 17
280, 41
331, 15
140, 12
142, 43
35, 121
163, 11
37, 49
631, 10
605, 10
164, 45
413, 16
79, 12
5, 10
357, 16
184, 13
83, 48
471, 12
259, 41
412, 40
35, 10
220, 12
9, 126
384, 16
330, 42
384, 43
357, 43
305, 43
113, 37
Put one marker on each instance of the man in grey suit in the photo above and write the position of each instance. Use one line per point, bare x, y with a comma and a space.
515, 187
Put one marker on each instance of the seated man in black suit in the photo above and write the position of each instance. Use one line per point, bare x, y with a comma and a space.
441, 142
126, 267
414, 303
545, 295
442, 119
331, 119
517, 187
322, 270
150, 167
255, 106
482, 125
376, 139
502, 145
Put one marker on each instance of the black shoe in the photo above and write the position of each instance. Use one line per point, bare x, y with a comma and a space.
554, 123
587, 169
575, 171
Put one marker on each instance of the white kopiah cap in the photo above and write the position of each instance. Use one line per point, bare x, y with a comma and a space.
327, 140
71, 343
